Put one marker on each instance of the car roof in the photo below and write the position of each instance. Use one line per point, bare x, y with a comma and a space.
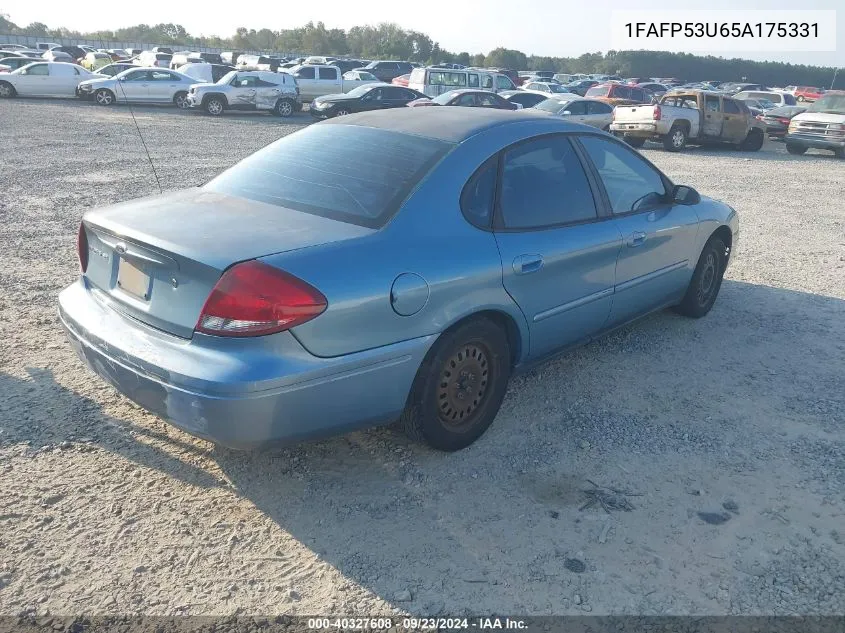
452, 125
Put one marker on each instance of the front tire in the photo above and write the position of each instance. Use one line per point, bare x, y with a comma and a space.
792, 148
676, 140
104, 97
284, 108
459, 387
214, 106
180, 100
706, 280
800, 98
341, 112
7, 90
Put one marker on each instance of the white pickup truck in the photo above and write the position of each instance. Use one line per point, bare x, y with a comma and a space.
318, 80
690, 116
822, 126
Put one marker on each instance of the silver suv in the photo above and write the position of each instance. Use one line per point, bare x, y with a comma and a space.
248, 90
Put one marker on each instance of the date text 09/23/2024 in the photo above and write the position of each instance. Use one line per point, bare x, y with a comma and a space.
417, 624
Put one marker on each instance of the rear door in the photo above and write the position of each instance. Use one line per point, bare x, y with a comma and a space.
558, 248
712, 125
64, 78
654, 264
163, 85
329, 80
735, 121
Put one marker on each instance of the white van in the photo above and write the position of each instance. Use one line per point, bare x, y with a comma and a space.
435, 81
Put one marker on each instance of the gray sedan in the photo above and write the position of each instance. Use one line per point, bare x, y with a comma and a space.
140, 85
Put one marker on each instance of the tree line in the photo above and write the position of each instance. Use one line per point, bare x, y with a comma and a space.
390, 41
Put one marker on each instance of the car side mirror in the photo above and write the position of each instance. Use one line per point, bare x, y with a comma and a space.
683, 194
566, 112
519, 106
23, 72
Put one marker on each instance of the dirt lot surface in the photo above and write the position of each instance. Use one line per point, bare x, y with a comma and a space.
730, 429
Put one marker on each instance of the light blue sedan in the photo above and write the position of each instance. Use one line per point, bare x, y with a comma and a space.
391, 265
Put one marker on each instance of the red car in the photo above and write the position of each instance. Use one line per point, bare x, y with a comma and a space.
808, 93
402, 80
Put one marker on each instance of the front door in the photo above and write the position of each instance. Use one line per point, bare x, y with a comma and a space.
243, 92
712, 117
558, 253
134, 86
654, 264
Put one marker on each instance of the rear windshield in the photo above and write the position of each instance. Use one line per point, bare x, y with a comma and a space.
551, 105
598, 91
349, 173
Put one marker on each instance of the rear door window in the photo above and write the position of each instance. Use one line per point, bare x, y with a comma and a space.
349, 173
731, 106
328, 73
544, 185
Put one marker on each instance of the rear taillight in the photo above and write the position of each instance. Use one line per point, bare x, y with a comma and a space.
253, 299
82, 247
657, 113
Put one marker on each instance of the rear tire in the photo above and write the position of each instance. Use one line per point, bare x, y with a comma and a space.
800, 98
104, 97
459, 386
753, 142
7, 90
706, 280
180, 100
792, 148
676, 139
284, 108
634, 141
839, 153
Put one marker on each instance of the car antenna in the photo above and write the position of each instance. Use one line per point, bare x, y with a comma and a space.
138, 128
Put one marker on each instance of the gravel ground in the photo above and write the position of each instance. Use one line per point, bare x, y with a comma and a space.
731, 429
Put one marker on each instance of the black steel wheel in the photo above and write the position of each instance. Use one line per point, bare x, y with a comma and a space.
459, 386
706, 280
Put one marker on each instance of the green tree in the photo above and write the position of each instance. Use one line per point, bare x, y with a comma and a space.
506, 58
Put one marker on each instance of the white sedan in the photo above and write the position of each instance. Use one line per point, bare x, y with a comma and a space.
140, 85
44, 79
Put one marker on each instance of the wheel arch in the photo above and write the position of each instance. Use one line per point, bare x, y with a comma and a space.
517, 336
725, 234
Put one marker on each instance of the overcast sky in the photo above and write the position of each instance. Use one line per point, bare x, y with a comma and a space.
543, 27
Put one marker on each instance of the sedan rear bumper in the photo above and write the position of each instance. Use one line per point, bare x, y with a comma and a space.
239, 393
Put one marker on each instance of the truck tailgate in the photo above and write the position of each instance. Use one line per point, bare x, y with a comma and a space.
633, 114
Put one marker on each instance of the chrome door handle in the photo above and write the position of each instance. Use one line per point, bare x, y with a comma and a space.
637, 238
525, 264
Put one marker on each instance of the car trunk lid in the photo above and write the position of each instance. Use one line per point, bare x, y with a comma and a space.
157, 259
